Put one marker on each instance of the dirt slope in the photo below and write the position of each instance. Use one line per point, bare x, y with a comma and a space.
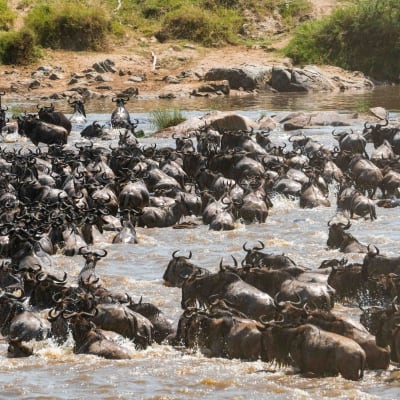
135, 58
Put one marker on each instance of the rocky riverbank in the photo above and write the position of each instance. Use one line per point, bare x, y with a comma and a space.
169, 71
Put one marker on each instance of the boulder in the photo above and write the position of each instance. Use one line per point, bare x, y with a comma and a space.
249, 77
266, 123
379, 112
218, 87
104, 66
311, 78
303, 120
299, 80
217, 120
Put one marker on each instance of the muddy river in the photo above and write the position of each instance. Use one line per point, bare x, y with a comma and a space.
165, 372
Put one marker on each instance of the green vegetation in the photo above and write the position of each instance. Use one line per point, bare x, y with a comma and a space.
364, 36
7, 17
202, 26
17, 48
293, 10
69, 25
161, 119
92, 24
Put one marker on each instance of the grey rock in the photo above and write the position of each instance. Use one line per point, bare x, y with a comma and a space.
33, 84
78, 75
379, 112
217, 87
85, 93
265, 123
304, 120
311, 78
91, 75
168, 95
217, 120
104, 66
55, 76
247, 78
172, 79
135, 78
73, 81
103, 78
45, 68
130, 91
104, 87
38, 75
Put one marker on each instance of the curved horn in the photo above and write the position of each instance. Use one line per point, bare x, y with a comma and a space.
100, 253
259, 248
371, 253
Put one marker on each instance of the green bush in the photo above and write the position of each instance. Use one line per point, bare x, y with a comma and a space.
17, 48
161, 119
201, 26
70, 26
364, 37
7, 17
293, 9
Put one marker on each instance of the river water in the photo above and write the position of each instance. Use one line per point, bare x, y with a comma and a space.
164, 372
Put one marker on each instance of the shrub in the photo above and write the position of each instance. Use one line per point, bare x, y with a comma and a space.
364, 36
17, 48
70, 26
161, 119
7, 17
294, 9
202, 26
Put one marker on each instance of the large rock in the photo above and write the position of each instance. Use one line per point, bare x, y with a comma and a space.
218, 120
312, 78
303, 120
247, 78
104, 66
299, 80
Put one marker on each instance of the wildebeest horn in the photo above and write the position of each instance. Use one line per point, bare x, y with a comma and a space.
177, 251
100, 253
53, 315
371, 253
234, 261
386, 124
244, 247
394, 301
259, 248
84, 250
270, 322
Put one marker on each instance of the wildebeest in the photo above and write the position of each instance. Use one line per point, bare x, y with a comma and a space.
120, 117
162, 327
51, 116
377, 357
221, 335
227, 286
41, 132
256, 257
310, 347
180, 268
95, 130
338, 238
374, 263
79, 115
90, 340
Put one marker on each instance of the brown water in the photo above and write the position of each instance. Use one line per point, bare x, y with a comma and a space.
164, 372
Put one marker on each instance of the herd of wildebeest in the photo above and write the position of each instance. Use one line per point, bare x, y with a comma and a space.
62, 199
